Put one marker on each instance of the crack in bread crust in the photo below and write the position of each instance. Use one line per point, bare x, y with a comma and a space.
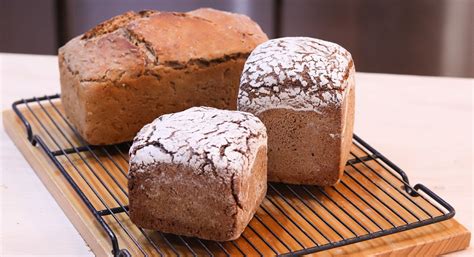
200, 58
116, 23
145, 47
214, 144
297, 73
128, 27
202, 62
209, 140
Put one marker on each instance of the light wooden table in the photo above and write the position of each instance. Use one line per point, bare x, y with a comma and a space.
423, 124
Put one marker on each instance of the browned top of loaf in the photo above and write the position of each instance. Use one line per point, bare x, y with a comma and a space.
134, 43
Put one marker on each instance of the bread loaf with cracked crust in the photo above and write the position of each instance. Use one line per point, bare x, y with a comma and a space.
303, 90
127, 71
200, 172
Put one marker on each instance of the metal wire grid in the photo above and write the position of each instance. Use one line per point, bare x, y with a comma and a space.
374, 198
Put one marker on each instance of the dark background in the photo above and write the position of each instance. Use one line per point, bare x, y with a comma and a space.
424, 37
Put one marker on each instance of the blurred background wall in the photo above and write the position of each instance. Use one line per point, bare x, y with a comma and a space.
424, 37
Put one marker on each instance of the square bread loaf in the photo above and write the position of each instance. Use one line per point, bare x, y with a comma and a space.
303, 91
127, 71
200, 172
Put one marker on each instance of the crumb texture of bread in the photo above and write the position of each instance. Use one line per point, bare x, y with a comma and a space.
200, 172
128, 70
303, 89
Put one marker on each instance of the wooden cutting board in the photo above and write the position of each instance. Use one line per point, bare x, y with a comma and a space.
436, 239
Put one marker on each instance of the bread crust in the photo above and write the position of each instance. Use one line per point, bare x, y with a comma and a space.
206, 210
307, 147
201, 172
126, 71
303, 90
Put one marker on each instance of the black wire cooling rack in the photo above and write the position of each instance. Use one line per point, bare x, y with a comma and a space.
374, 198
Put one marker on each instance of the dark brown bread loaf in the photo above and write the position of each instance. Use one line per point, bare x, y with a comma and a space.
201, 172
127, 71
303, 90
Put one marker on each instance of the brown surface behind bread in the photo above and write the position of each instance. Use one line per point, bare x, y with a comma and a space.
127, 71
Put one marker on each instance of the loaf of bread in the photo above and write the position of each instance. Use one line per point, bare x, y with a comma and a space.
303, 91
200, 172
127, 71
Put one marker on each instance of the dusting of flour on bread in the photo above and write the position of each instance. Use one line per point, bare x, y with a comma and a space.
208, 140
298, 73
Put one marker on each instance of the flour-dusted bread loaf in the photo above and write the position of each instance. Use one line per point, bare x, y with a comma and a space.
201, 172
303, 91
127, 71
